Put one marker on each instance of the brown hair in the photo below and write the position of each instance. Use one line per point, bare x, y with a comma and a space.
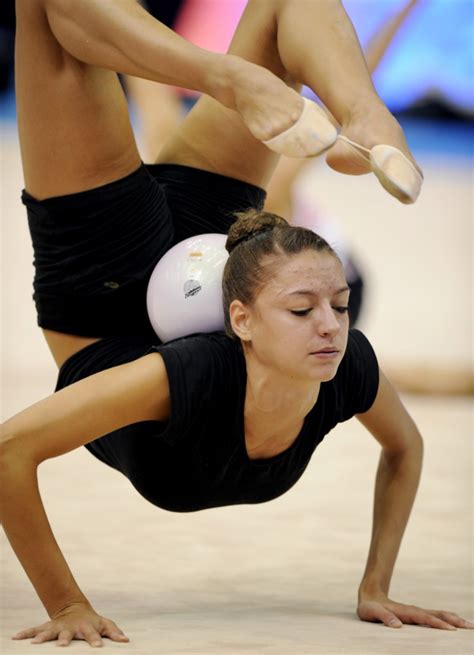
256, 236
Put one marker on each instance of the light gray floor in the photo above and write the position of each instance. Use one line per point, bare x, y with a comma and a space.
281, 577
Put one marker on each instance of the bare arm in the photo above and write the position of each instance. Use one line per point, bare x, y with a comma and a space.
397, 481
396, 484
58, 424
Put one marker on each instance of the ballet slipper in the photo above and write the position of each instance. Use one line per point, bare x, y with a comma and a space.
394, 170
312, 134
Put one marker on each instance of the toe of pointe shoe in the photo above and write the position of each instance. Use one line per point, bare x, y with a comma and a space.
396, 173
312, 134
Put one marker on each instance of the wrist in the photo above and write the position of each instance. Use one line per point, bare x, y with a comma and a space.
372, 588
70, 605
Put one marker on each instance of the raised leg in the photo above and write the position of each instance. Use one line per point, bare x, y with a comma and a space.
301, 42
73, 120
159, 110
73, 125
72, 117
296, 40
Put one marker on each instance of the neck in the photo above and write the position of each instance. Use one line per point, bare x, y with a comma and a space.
270, 390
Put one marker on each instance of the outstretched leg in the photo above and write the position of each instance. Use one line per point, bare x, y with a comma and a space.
302, 42
73, 125
72, 117
318, 44
296, 40
74, 128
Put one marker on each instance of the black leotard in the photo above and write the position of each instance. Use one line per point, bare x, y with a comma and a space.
198, 459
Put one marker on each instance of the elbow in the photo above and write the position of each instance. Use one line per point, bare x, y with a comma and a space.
407, 443
414, 440
12, 454
6, 440
6, 451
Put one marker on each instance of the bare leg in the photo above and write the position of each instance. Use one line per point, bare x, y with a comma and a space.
297, 40
318, 44
279, 198
72, 117
67, 97
379, 42
73, 126
280, 190
302, 42
73, 120
159, 110
340, 157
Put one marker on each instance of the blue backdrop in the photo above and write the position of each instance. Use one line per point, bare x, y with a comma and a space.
432, 56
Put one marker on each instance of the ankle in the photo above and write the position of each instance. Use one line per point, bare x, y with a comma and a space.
222, 77
231, 74
371, 124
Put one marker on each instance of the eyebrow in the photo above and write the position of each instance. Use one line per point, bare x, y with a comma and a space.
308, 292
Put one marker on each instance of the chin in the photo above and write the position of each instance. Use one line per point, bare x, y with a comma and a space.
328, 376
326, 372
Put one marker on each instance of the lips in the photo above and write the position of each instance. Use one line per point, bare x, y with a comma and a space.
326, 354
325, 350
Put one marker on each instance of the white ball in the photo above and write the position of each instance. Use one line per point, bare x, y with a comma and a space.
184, 293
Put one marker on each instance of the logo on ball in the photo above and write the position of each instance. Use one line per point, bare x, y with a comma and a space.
191, 288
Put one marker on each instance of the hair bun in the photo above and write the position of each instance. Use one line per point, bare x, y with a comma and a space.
249, 224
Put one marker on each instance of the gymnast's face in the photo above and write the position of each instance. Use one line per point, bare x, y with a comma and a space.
298, 324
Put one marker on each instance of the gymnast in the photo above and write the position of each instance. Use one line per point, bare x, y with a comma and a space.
210, 419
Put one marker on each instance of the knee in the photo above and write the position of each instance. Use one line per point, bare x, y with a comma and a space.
34, 13
39, 9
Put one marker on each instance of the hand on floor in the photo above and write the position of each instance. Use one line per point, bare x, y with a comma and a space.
394, 615
75, 622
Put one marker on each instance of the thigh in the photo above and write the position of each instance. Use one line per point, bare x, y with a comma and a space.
73, 119
215, 138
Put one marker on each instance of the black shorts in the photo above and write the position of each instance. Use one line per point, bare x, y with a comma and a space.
95, 251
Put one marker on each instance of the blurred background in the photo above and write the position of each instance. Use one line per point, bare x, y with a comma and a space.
411, 266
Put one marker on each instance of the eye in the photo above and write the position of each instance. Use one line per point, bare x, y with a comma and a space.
341, 310
300, 312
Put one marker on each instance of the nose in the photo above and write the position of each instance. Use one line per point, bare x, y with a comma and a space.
326, 320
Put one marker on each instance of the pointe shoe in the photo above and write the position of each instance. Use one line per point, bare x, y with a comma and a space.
393, 169
312, 134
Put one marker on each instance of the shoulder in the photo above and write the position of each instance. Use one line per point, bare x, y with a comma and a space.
359, 351
357, 379
210, 348
359, 356
101, 355
93, 406
203, 363
204, 371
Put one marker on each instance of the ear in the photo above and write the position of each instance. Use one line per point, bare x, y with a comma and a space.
240, 319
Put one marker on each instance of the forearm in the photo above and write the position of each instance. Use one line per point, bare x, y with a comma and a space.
120, 35
395, 489
27, 528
